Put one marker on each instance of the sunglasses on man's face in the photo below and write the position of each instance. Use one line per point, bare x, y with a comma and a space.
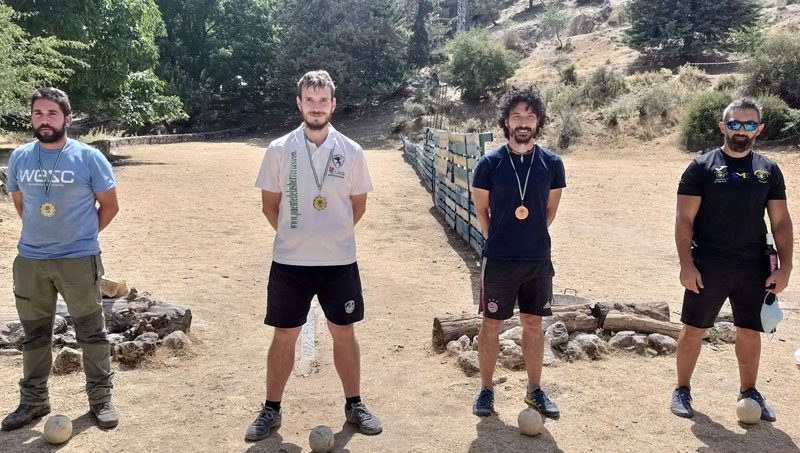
736, 125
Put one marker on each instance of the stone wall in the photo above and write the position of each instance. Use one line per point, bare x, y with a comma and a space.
107, 147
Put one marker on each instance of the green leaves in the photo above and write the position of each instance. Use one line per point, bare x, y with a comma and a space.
477, 63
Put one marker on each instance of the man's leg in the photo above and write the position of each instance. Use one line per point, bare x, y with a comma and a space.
532, 346
748, 353
35, 298
489, 349
346, 357
78, 280
280, 361
689, 342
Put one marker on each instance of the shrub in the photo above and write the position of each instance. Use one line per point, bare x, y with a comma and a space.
774, 68
570, 129
692, 77
477, 63
700, 124
657, 102
568, 75
414, 109
603, 85
615, 115
728, 82
780, 121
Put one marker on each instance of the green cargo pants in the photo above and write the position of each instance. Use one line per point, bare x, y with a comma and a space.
37, 283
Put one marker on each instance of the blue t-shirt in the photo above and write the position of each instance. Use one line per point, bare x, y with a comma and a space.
509, 237
72, 231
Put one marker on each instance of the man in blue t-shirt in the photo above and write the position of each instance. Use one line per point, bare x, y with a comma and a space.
517, 188
721, 237
64, 191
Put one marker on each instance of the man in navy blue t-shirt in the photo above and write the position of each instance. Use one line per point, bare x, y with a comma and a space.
517, 188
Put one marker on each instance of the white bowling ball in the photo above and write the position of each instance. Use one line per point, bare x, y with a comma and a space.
58, 429
748, 411
321, 439
530, 422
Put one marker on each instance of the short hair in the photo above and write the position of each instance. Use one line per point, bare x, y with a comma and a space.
515, 96
742, 103
316, 79
55, 95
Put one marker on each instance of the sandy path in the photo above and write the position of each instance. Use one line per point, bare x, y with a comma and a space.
191, 232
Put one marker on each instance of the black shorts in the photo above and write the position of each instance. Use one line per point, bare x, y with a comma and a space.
291, 288
743, 284
506, 282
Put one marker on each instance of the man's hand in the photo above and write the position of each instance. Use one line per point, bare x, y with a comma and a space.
780, 278
691, 279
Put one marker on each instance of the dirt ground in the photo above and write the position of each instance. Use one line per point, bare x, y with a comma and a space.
191, 232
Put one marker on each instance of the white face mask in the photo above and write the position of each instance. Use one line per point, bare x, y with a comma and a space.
771, 315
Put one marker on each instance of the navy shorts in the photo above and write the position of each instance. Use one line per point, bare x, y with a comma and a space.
742, 284
291, 288
506, 282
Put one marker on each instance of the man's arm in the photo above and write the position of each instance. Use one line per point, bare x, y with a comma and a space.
481, 198
270, 206
17, 197
781, 224
552, 205
109, 207
687, 208
359, 203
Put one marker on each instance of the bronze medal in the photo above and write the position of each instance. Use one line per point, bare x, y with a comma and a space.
521, 213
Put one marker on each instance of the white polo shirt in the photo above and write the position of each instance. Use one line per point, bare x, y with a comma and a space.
307, 236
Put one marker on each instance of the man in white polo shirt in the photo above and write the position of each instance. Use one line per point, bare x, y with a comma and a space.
314, 184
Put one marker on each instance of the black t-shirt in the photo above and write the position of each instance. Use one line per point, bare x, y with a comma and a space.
509, 237
730, 222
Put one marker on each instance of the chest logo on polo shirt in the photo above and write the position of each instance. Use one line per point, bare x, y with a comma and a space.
761, 175
741, 176
337, 161
721, 174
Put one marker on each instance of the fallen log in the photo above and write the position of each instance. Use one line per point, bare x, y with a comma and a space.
616, 321
656, 310
577, 318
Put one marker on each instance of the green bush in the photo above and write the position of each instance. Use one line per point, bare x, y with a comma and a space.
570, 129
780, 121
141, 101
414, 109
657, 102
692, 77
728, 82
700, 124
568, 75
603, 85
477, 63
775, 67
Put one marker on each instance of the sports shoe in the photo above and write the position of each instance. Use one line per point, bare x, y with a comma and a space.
363, 418
484, 403
539, 401
106, 414
681, 404
766, 412
23, 415
266, 420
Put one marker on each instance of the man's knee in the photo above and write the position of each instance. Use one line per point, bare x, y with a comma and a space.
91, 329
490, 327
531, 323
38, 333
693, 334
342, 332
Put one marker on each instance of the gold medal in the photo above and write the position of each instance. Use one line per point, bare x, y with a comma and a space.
48, 210
521, 213
320, 203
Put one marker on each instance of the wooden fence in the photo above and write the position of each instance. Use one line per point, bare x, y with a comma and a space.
445, 163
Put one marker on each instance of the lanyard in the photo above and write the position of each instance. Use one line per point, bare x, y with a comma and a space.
522, 190
48, 183
313, 169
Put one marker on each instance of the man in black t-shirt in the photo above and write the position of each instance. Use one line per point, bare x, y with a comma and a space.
721, 237
517, 189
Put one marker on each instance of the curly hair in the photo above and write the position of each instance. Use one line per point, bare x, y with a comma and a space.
513, 97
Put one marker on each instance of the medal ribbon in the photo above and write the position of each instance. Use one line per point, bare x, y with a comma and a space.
519, 183
48, 183
313, 169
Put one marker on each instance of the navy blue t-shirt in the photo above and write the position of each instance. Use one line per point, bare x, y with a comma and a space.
509, 237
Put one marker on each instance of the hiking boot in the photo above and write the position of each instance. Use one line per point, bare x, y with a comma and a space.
266, 420
538, 400
106, 414
23, 415
484, 403
766, 412
363, 418
681, 404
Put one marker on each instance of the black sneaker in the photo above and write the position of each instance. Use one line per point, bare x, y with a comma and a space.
538, 400
766, 412
681, 404
267, 419
23, 415
363, 418
106, 414
484, 403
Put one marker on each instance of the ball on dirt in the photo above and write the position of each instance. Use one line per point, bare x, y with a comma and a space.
530, 422
321, 439
58, 429
748, 411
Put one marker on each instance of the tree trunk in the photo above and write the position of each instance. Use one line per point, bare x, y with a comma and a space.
656, 310
616, 322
